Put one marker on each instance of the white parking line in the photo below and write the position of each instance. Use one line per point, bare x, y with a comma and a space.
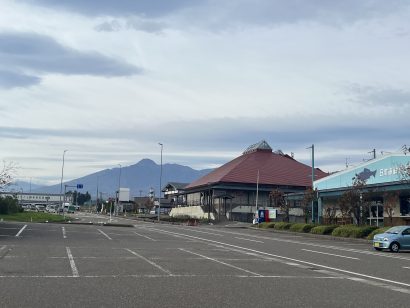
247, 239
64, 234
149, 261
331, 254
72, 263
21, 230
145, 236
104, 234
371, 253
220, 262
408, 267
296, 260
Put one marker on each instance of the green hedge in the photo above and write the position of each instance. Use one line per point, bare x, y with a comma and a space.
353, 231
377, 231
301, 227
323, 229
266, 225
282, 225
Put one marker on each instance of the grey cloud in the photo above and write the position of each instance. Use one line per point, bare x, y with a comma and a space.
109, 26
291, 11
219, 14
118, 8
145, 25
42, 54
381, 96
134, 23
10, 80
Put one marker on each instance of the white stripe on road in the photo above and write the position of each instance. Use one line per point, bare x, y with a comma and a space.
290, 259
331, 254
64, 234
216, 234
220, 262
149, 261
104, 234
247, 239
145, 236
408, 267
72, 263
21, 230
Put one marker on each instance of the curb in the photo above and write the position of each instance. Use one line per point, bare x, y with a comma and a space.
320, 236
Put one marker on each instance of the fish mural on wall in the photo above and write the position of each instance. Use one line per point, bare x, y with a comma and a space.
366, 174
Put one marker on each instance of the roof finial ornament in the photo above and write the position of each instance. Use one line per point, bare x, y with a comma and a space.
260, 146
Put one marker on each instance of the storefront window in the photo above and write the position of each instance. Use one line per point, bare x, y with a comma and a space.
405, 206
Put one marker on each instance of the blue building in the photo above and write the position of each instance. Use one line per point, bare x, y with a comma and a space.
386, 187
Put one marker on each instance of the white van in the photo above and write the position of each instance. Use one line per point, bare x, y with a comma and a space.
51, 209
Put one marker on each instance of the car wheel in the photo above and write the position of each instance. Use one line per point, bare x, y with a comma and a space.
378, 249
394, 247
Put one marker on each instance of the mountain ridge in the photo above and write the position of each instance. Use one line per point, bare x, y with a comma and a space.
139, 178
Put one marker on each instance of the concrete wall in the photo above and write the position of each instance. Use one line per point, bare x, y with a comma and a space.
191, 211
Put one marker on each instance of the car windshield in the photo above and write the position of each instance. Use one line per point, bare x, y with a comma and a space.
394, 230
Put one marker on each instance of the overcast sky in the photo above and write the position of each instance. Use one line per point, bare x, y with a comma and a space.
108, 80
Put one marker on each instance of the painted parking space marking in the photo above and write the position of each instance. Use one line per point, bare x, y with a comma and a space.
72, 263
21, 230
205, 232
330, 254
220, 262
371, 253
102, 232
149, 261
64, 233
247, 239
367, 278
147, 237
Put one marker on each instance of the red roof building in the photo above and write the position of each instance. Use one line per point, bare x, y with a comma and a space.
231, 190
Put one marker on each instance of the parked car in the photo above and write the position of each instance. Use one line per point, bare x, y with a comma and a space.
51, 209
395, 238
40, 208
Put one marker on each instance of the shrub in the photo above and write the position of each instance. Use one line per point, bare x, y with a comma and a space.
352, 231
282, 226
360, 232
266, 225
8, 205
323, 229
343, 231
301, 227
377, 231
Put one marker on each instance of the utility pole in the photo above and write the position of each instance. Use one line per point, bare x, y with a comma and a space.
160, 183
313, 179
374, 153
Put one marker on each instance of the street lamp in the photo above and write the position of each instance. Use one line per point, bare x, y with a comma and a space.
119, 186
61, 184
160, 182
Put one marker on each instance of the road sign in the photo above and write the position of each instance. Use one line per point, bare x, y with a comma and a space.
79, 186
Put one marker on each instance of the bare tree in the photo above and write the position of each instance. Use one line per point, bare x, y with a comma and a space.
353, 201
7, 174
344, 206
330, 213
390, 200
279, 200
308, 197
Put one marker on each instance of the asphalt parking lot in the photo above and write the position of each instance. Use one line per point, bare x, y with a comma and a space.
155, 265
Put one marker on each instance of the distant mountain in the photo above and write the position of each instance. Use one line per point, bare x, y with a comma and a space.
139, 178
21, 185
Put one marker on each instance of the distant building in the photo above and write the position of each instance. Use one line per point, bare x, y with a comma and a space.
37, 198
387, 188
174, 192
236, 189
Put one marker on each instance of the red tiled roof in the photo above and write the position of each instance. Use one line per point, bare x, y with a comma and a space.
274, 169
